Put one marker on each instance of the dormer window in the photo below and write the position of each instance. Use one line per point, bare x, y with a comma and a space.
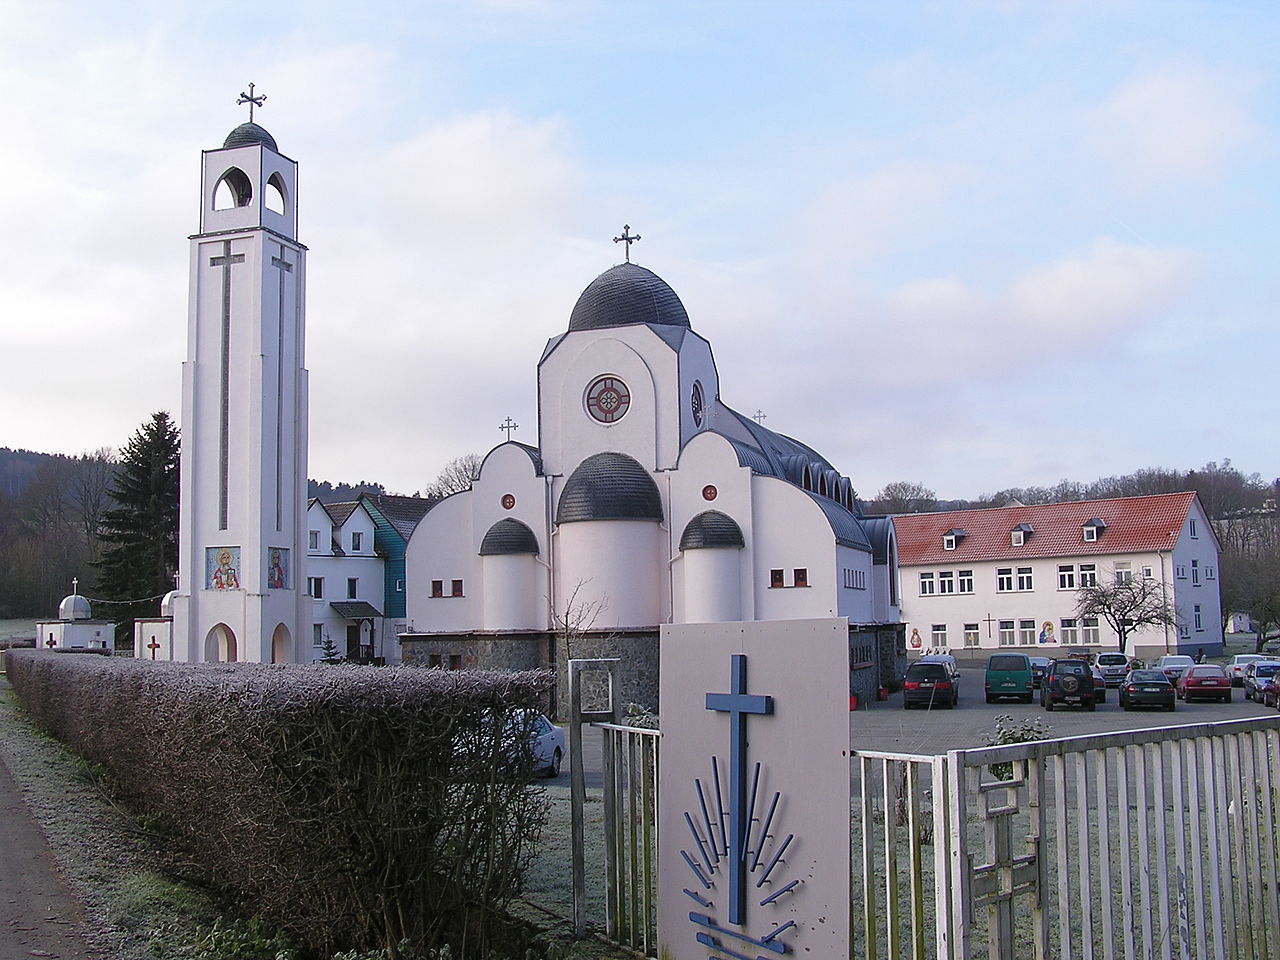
1019, 534
1093, 529
951, 538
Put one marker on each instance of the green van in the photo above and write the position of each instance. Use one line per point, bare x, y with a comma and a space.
1009, 675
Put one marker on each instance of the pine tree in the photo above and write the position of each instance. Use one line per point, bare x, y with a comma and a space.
140, 529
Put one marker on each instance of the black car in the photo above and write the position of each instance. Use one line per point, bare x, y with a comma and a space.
929, 685
1069, 682
1147, 688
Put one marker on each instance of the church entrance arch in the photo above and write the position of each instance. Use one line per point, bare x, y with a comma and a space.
220, 645
281, 645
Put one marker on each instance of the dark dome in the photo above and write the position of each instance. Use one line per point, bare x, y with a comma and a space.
247, 134
624, 295
711, 528
609, 486
506, 537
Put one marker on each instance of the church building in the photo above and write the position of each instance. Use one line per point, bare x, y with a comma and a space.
647, 501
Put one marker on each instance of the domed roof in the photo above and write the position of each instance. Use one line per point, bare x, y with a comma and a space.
709, 529
627, 294
74, 607
507, 537
609, 486
247, 134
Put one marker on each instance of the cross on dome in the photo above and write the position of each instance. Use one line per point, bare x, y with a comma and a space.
627, 238
251, 100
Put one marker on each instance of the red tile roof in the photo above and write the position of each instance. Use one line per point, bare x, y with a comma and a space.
1133, 525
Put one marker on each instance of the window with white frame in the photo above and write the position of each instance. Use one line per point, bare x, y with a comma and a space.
1199, 621
1147, 573
938, 635
926, 585
948, 541
946, 581
1004, 579
357, 539
1089, 630
1184, 630
1090, 534
970, 634
964, 582
1026, 631
1066, 576
1070, 630
1195, 534
1016, 538
1180, 571
1195, 573
1088, 574
1208, 572
313, 539
353, 587
315, 587
1124, 573
1006, 633
1024, 579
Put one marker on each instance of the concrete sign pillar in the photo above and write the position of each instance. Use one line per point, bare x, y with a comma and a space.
753, 806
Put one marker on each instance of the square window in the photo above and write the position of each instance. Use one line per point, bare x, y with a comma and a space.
434, 660
1090, 534
1124, 574
949, 541
457, 588
437, 588
964, 583
1146, 573
970, 634
1066, 576
455, 661
1180, 571
775, 578
946, 582
1024, 579
800, 576
926, 585
353, 586
1088, 574
1004, 580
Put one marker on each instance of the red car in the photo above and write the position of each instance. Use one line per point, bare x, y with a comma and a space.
1207, 681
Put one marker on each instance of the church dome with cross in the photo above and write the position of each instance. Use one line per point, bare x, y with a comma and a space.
249, 134
624, 295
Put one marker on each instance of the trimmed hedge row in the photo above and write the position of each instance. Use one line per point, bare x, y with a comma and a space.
354, 807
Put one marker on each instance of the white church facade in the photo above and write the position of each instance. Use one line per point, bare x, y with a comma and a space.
647, 501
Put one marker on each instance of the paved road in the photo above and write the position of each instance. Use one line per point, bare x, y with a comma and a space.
39, 916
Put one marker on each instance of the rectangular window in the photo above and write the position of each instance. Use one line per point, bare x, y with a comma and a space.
1006, 633
313, 539
1004, 580
437, 588
1024, 579
926, 584
800, 576
317, 634
1146, 573
946, 582
1026, 631
353, 584
1066, 576
455, 661
434, 660
399, 586
1180, 571
970, 634
1194, 533
1088, 574
949, 541
1090, 534
1124, 573
356, 539
1199, 622
939, 635
1195, 573
775, 578
456, 586
1016, 538
1070, 631
1184, 630
1089, 630
965, 582
1208, 573
315, 587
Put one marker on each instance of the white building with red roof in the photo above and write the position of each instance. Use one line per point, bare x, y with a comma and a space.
1008, 576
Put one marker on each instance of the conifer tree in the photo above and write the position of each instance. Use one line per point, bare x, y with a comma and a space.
140, 529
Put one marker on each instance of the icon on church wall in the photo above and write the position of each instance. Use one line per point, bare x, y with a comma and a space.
1046, 632
916, 642
222, 568
608, 399
277, 569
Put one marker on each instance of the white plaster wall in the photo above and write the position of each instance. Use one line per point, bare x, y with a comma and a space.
444, 547
697, 364
712, 585
616, 566
514, 593
1203, 547
156, 630
791, 531
858, 605
74, 634
318, 519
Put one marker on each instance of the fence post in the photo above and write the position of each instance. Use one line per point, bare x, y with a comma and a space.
577, 780
960, 897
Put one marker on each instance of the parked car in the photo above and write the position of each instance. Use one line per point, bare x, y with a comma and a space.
1099, 683
930, 682
1009, 675
1069, 681
1205, 681
1235, 669
1114, 666
1038, 667
1173, 664
1147, 688
1270, 692
528, 742
1256, 674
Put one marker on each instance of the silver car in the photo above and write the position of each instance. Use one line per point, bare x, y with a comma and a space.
1256, 674
1114, 667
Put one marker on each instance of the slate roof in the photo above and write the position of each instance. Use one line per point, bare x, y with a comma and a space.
341, 512
403, 513
847, 528
355, 609
1133, 525
247, 134
508, 536
711, 529
627, 294
609, 486
878, 530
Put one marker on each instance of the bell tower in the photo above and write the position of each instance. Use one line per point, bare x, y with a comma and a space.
241, 592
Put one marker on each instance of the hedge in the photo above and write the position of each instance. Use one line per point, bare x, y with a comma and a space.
354, 807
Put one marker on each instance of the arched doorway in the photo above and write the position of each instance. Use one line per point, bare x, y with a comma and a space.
220, 645
281, 645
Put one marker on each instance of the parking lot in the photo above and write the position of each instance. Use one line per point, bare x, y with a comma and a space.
886, 726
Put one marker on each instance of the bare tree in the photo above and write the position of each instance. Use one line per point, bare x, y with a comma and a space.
1126, 603
904, 496
456, 476
90, 487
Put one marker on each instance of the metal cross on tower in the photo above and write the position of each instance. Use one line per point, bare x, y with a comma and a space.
509, 426
251, 100
759, 416
627, 239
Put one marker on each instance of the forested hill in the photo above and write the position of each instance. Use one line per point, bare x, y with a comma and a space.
19, 467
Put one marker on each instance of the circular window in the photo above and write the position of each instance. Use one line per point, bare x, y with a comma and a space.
608, 399
508, 501
696, 403
709, 492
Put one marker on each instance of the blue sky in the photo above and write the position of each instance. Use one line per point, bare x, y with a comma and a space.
973, 244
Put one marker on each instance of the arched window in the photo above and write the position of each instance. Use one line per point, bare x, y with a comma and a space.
233, 190
276, 197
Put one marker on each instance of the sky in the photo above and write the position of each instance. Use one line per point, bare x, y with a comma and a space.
974, 244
